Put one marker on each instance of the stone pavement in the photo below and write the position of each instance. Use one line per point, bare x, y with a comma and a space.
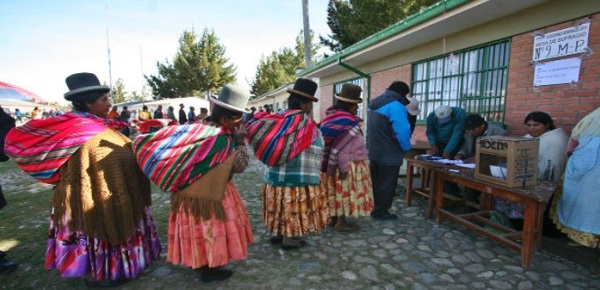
413, 252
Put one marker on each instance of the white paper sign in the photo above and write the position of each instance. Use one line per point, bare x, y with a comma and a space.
562, 42
564, 71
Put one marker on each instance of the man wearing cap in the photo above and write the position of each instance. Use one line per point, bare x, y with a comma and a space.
445, 130
388, 140
413, 111
475, 127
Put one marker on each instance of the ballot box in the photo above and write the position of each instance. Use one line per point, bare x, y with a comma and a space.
507, 160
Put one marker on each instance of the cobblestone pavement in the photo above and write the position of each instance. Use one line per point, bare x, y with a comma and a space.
413, 252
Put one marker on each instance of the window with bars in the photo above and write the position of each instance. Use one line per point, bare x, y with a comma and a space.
337, 88
474, 79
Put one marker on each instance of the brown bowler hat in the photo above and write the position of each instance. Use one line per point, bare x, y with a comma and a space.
350, 94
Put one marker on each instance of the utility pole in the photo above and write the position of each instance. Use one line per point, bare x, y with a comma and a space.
307, 43
108, 48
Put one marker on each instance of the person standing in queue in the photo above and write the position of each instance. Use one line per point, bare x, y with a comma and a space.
208, 222
291, 145
388, 140
101, 227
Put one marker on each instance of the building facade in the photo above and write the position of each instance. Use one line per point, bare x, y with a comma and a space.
498, 58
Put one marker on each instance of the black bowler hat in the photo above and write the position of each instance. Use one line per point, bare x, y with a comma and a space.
304, 88
81, 83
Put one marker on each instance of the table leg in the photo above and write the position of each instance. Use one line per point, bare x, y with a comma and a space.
439, 192
432, 193
409, 183
530, 217
540, 208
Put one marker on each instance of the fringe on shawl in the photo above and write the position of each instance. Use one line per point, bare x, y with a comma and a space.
102, 192
204, 197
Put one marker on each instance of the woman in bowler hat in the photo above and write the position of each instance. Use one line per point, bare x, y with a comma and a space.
100, 224
345, 171
290, 144
208, 222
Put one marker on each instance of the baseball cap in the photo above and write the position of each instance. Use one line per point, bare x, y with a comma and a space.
413, 107
443, 114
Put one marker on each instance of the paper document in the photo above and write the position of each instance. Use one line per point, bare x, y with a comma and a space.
467, 165
498, 171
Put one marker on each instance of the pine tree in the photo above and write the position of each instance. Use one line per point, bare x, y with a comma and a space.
351, 21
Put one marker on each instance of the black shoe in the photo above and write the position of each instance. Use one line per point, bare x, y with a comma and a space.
2, 255
332, 221
384, 217
92, 283
208, 275
297, 245
276, 240
7, 266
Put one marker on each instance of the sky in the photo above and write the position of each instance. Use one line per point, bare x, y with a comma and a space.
43, 42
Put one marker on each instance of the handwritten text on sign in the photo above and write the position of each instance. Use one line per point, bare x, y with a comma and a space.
563, 71
562, 42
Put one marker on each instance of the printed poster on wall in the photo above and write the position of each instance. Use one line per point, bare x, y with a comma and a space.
564, 71
568, 41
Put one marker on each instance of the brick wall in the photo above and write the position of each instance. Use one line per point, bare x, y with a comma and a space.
566, 103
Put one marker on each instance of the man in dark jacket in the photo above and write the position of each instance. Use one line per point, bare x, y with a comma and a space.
445, 130
388, 139
182, 115
6, 123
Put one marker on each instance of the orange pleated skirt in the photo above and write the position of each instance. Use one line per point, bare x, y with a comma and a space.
194, 242
294, 211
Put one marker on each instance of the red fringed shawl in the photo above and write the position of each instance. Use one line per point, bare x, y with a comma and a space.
41, 147
277, 139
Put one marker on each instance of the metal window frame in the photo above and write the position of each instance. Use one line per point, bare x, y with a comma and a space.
449, 84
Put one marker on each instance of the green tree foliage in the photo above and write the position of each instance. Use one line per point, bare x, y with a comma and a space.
351, 21
279, 68
118, 92
198, 66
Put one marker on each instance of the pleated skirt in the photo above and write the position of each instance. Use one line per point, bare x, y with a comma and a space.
194, 242
294, 211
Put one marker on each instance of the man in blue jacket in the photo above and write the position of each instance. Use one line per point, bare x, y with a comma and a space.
445, 130
388, 139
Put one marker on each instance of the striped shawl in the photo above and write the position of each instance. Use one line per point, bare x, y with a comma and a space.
338, 128
277, 139
41, 147
176, 156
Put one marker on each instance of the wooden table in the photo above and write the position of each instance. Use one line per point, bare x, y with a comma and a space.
427, 188
534, 197
427, 181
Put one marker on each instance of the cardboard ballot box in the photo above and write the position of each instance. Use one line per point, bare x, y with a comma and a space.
507, 160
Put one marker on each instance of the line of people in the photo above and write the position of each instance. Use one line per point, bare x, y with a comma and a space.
316, 175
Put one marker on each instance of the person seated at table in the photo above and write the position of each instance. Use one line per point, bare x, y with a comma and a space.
475, 127
576, 205
445, 130
551, 163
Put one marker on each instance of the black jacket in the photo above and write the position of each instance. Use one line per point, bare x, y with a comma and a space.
6, 123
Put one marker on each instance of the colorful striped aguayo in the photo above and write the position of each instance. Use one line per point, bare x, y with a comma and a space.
145, 126
337, 122
279, 138
41, 147
338, 129
176, 156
